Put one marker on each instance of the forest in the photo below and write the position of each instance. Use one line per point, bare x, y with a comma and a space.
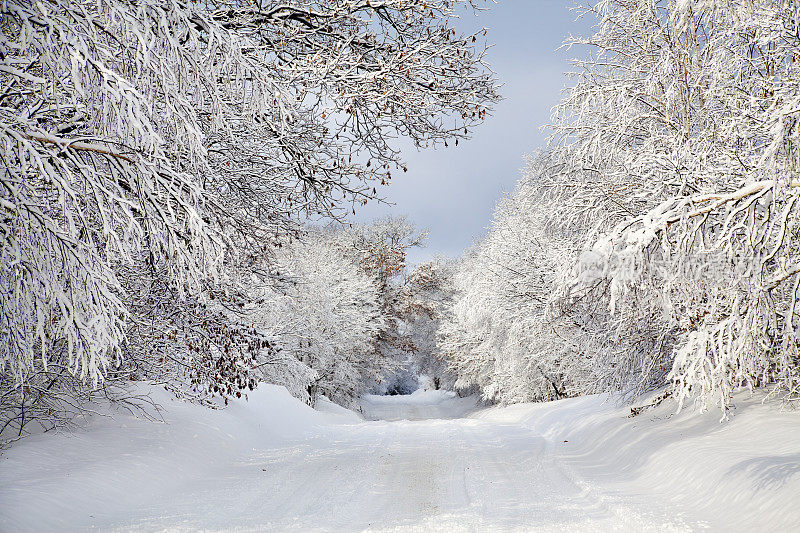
177, 180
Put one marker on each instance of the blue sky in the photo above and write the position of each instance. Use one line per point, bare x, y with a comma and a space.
452, 192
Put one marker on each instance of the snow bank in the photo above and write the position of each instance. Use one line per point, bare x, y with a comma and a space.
742, 474
275, 464
114, 465
336, 412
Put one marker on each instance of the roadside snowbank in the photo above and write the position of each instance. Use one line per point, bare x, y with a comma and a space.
741, 474
116, 464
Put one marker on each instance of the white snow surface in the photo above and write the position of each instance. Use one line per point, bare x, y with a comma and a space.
434, 462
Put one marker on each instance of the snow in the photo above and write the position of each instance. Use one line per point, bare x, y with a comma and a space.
435, 462
420, 405
730, 476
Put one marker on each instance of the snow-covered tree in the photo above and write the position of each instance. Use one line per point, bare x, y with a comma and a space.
181, 141
685, 129
325, 315
498, 335
380, 249
665, 249
423, 300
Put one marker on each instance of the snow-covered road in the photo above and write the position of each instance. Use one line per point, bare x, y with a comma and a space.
423, 471
420, 468
429, 461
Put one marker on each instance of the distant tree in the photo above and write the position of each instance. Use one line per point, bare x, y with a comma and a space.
497, 333
326, 315
380, 249
423, 300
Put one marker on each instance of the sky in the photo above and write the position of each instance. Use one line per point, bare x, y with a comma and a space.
451, 192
